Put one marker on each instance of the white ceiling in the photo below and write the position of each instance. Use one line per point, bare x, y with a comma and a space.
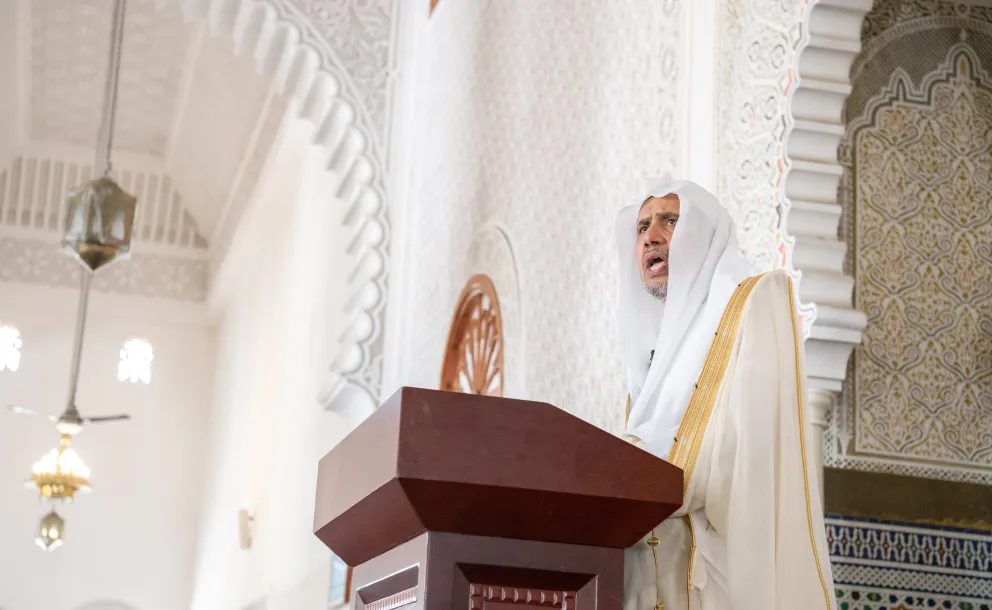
187, 106
69, 53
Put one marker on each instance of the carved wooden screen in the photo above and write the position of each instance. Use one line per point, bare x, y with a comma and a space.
473, 359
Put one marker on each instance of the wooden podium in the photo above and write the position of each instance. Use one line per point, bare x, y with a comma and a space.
442, 500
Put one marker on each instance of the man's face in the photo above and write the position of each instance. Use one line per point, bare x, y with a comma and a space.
655, 225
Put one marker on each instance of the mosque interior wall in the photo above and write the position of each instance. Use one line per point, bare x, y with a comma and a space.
908, 449
501, 138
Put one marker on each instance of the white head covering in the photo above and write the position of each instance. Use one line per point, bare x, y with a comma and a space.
704, 270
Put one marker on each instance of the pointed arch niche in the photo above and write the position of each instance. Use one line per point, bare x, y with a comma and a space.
840, 41
918, 160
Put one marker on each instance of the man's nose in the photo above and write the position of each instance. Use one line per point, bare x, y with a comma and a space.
655, 235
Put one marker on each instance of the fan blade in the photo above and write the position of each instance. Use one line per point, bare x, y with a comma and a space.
21, 410
26, 411
103, 418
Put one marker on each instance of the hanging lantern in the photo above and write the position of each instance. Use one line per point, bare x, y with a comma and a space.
50, 531
98, 223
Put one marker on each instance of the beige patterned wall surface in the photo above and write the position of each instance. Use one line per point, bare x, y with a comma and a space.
921, 161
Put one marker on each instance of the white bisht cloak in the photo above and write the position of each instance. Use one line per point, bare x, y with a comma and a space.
722, 398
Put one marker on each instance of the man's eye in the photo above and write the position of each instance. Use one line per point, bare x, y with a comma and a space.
642, 228
672, 221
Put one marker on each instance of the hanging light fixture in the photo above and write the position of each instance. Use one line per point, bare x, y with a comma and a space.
98, 223
100, 214
50, 531
60, 473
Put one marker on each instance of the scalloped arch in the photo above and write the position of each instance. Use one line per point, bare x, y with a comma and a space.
829, 43
295, 55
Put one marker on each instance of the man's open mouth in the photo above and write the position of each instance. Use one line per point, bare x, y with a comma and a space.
656, 264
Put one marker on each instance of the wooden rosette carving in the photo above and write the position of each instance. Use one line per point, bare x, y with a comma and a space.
473, 359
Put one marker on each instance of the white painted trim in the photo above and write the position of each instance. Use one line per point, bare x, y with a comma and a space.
239, 174
412, 24
699, 74
185, 86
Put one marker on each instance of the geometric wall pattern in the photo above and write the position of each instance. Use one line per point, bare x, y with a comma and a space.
921, 163
879, 565
160, 276
531, 144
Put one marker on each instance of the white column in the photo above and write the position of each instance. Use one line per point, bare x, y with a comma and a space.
699, 93
821, 403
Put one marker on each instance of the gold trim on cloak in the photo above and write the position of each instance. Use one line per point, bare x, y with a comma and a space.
689, 437
690, 434
692, 428
802, 447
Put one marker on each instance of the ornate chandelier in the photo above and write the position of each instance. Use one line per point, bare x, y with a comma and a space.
60, 473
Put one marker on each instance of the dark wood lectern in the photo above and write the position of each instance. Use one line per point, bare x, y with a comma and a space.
443, 500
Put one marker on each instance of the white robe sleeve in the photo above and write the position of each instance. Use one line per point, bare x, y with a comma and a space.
760, 500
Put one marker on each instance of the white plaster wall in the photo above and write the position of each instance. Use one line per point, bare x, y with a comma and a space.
280, 318
538, 118
133, 537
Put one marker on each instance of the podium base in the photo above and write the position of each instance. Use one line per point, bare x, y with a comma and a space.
442, 571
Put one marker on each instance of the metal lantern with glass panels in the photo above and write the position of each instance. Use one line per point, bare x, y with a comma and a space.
98, 223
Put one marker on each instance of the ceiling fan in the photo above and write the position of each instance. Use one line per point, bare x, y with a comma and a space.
70, 422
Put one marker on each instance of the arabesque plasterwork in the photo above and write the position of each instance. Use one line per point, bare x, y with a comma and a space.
921, 161
887, 15
757, 48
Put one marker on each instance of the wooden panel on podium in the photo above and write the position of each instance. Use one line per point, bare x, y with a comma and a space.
485, 498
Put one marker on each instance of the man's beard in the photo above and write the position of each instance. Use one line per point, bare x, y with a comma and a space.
658, 291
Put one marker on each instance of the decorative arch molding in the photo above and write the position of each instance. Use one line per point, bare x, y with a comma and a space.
322, 55
830, 42
829, 57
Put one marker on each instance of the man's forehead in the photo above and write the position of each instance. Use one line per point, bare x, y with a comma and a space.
655, 205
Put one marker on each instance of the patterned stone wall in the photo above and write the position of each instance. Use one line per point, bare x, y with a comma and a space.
540, 118
879, 565
918, 160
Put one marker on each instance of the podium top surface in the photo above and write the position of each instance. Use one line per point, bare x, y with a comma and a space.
429, 460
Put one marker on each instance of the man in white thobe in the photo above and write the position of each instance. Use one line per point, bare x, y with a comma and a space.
717, 386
